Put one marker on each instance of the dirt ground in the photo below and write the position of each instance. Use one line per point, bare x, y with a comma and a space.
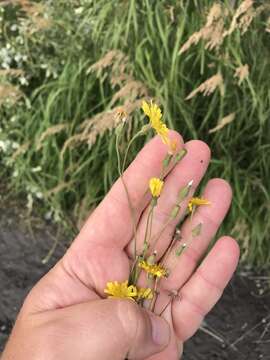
238, 327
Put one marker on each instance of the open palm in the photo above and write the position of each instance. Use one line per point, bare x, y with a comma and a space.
103, 249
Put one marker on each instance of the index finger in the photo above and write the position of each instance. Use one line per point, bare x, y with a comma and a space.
111, 223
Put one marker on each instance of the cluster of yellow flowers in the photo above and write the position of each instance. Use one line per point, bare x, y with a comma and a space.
145, 261
125, 291
153, 269
154, 113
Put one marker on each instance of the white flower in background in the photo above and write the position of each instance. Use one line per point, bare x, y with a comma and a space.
5, 145
14, 27
23, 81
15, 173
36, 169
20, 40
39, 195
18, 58
15, 145
48, 215
34, 191
29, 204
79, 10
5, 65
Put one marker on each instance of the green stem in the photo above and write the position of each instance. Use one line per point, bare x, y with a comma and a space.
120, 171
153, 302
149, 221
127, 150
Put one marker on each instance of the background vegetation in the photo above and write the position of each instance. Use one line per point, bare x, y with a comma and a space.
65, 66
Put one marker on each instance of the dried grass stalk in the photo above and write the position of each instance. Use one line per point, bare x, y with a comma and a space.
223, 122
130, 95
72, 142
209, 86
10, 93
242, 231
11, 72
82, 211
57, 189
267, 29
214, 31
35, 12
50, 132
21, 150
110, 59
242, 72
132, 90
99, 124
246, 5
211, 32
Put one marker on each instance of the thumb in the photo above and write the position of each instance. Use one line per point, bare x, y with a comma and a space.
108, 329
119, 329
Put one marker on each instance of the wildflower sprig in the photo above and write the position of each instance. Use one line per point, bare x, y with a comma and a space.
146, 262
155, 116
122, 290
156, 186
155, 270
196, 201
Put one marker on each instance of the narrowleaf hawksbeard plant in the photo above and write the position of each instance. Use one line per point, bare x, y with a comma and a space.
147, 267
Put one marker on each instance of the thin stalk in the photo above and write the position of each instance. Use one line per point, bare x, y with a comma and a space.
127, 150
120, 170
153, 301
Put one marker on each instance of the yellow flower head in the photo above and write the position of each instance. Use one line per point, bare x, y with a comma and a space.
196, 202
145, 293
121, 290
121, 114
172, 147
155, 269
155, 186
154, 113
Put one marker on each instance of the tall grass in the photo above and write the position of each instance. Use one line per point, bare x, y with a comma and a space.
150, 34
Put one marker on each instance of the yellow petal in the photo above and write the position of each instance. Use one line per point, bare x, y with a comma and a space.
146, 108
156, 186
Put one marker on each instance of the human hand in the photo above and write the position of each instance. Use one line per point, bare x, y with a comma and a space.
66, 315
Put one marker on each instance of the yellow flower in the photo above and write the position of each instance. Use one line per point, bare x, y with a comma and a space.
155, 269
155, 186
197, 201
154, 113
145, 293
121, 290
172, 147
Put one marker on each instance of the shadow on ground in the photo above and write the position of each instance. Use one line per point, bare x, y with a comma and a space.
238, 327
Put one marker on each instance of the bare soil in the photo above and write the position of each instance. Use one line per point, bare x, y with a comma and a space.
238, 327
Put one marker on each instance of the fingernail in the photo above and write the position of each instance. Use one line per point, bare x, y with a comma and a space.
160, 330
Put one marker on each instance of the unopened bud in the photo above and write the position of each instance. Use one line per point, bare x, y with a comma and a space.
179, 156
175, 211
181, 248
196, 230
183, 193
151, 259
167, 160
144, 129
119, 129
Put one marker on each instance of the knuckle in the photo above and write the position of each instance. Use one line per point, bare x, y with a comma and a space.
131, 318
